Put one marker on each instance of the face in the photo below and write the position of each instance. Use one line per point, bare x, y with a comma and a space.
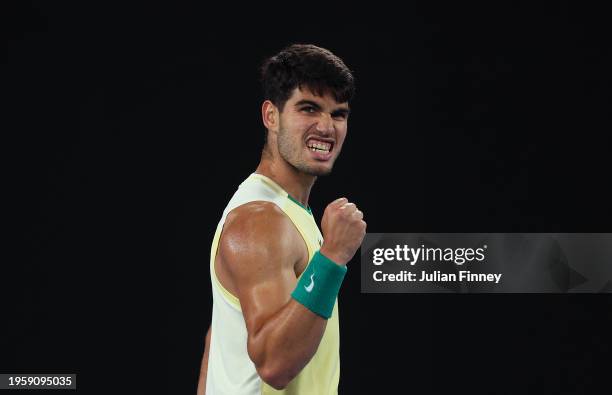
311, 131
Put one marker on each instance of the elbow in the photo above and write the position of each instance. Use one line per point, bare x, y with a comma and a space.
274, 370
276, 378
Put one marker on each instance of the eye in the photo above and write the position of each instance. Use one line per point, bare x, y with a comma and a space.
309, 110
340, 116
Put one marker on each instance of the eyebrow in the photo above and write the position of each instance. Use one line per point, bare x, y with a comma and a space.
303, 102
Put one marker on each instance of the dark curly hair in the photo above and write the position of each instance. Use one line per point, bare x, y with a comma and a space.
305, 65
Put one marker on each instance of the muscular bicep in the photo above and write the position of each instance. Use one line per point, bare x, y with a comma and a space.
260, 248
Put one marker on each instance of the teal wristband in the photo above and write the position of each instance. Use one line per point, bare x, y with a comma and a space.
319, 285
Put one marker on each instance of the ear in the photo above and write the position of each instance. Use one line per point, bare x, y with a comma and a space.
269, 115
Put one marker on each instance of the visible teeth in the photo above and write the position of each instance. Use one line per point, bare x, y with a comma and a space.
319, 149
314, 146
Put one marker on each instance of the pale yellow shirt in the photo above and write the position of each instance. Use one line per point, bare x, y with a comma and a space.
230, 370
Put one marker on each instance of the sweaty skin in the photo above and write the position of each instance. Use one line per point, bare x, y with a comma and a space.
261, 253
261, 270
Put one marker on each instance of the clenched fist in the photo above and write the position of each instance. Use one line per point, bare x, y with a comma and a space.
343, 230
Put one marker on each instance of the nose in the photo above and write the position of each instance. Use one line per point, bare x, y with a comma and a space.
325, 124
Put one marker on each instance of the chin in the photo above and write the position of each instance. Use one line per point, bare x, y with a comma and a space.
319, 172
313, 169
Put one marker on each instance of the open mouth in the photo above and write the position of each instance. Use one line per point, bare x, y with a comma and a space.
319, 146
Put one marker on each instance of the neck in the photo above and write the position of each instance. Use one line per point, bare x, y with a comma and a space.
296, 183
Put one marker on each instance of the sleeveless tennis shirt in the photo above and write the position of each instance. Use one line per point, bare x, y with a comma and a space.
230, 370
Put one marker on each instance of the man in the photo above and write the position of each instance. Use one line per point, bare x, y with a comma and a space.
275, 279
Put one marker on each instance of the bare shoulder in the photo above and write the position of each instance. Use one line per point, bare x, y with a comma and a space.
259, 233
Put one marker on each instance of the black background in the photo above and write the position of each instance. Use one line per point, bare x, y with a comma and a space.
126, 130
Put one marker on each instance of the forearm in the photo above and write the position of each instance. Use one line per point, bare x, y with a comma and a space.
204, 368
290, 337
285, 343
